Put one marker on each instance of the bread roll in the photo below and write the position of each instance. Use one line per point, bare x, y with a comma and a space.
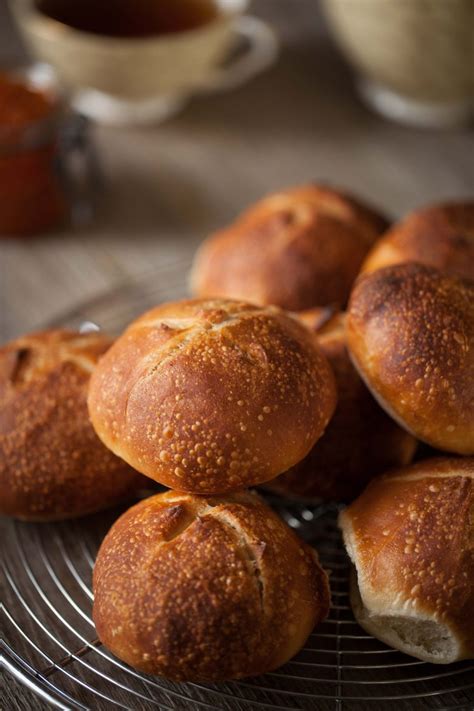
440, 236
52, 465
410, 536
410, 330
212, 396
360, 440
206, 589
297, 248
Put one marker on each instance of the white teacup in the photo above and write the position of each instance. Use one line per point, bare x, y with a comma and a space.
121, 80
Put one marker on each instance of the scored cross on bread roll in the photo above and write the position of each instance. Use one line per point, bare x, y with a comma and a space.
206, 589
52, 464
296, 248
212, 396
410, 536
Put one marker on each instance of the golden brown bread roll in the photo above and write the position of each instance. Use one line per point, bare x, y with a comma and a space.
206, 589
440, 236
212, 396
52, 465
297, 248
410, 536
360, 440
410, 330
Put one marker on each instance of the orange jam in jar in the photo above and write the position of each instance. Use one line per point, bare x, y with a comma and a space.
32, 197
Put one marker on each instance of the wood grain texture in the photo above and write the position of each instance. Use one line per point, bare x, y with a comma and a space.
165, 188
14, 697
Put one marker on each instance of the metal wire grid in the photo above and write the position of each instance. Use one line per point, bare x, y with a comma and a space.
50, 643
51, 639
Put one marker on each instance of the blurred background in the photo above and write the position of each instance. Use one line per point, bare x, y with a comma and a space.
153, 189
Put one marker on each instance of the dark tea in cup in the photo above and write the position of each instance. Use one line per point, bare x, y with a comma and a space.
130, 18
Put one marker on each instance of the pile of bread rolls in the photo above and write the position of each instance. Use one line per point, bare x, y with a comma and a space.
321, 349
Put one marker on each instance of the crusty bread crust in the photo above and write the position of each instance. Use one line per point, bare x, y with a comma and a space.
297, 248
410, 331
360, 441
410, 537
206, 589
441, 236
212, 396
52, 465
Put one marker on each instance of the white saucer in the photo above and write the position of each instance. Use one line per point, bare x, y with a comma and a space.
259, 50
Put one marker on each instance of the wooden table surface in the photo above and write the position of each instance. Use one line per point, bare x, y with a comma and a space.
166, 187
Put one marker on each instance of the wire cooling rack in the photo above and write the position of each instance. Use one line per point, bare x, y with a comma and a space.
50, 643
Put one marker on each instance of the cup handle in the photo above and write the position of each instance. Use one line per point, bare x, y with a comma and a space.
261, 52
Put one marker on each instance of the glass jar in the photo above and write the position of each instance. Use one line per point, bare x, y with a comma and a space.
45, 156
